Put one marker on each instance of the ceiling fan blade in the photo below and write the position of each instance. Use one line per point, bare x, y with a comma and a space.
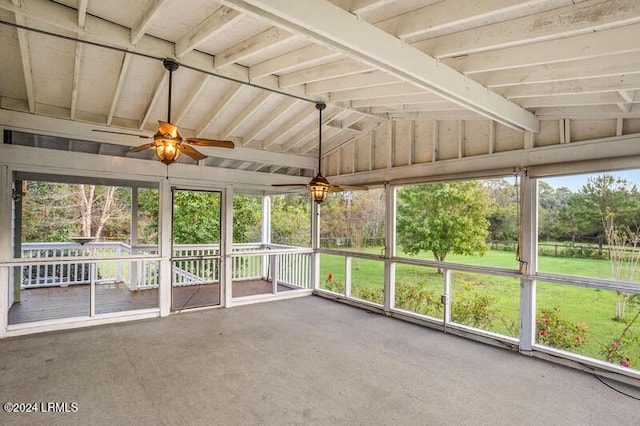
349, 187
142, 147
192, 152
120, 133
210, 142
168, 129
291, 185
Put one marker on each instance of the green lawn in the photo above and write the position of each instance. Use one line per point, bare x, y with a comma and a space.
594, 307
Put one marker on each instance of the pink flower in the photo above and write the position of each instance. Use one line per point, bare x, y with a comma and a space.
614, 343
625, 364
543, 333
329, 277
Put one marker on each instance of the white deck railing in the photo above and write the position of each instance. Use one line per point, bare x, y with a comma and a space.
193, 264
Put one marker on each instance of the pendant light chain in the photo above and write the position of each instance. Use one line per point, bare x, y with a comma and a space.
320, 106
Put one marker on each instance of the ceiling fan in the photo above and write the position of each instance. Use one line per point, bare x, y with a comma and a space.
167, 142
319, 186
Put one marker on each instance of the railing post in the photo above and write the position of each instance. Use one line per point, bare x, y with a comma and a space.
389, 248
164, 247
528, 262
92, 289
275, 263
133, 250
226, 248
446, 299
347, 276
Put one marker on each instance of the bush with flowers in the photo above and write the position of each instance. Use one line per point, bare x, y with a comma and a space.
555, 331
621, 349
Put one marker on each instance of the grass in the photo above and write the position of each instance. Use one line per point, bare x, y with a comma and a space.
594, 307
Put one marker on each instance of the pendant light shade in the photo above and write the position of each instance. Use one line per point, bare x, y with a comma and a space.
319, 188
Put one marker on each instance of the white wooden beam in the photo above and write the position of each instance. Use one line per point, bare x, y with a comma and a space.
160, 90
393, 89
340, 68
352, 82
76, 81
126, 60
625, 82
191, 98
360, 7
584, 46
101, 31
598, 112
615, 65
627, 95
205, 30
449, 16
251, 46
82, 12
286, 128
233, 90
421, 98
571, 100
246, 113
25, 56
309, 131
282, 108
306, 56
554, 24
375, 48
49, 126
143, 23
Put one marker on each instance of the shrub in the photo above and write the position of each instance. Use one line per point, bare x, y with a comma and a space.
555, 331
472, 308
416, 298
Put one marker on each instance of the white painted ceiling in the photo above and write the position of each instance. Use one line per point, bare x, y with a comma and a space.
515, 62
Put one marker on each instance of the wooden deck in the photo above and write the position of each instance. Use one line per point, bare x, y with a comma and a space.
39, 304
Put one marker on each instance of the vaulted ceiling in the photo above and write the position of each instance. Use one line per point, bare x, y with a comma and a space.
251, 71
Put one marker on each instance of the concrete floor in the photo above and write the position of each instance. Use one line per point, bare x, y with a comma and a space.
298, 361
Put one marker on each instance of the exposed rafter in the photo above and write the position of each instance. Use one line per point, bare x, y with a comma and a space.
306, 56
82, 12
207, 28
237, 121
158, 92
568, 21
285, 129
229, 94
76, 81
275, 114
126, 60
25, 55
381, 50
196, 91
143, 23
249, 47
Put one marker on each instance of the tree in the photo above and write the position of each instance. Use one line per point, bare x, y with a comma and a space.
247, 218
444, 218
353, 216
196, 217
600, 196
551, 202
290, 220
55, 212
96, 205
503, 221
624, 256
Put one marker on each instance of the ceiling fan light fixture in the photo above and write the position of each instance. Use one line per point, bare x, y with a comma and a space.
319, 188
167, 150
